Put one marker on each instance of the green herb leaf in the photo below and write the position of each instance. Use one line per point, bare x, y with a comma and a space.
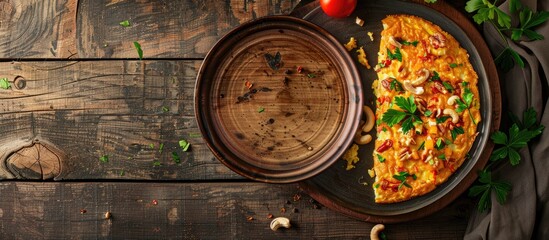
413, 43
380, 158
161, 148
104, 158
310, 75
515, 5
139, 50
4, 83
435, 76
125, 23
176, 157
396, 85
428, 113
506, 60
407, 104
397, 55
392, 117
430, 1
442, 156
402, 178
448, 86
442, 119
456, 131
421, 146
121, 173
156, 163
260, 109
453, 65
529, 20
151, 146
184, 145
439, 144
165, 109
485, 187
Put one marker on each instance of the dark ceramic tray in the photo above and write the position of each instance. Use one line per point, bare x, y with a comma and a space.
344, 190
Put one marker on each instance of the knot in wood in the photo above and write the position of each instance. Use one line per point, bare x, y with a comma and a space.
36, 161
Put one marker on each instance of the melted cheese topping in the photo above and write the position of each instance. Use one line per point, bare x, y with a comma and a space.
432, 69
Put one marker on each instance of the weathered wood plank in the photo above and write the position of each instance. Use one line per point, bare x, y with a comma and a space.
94, 108
90, 29
37, 29
190, 210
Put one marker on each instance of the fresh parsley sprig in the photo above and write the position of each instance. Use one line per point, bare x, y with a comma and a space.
488, 11
466, 103
397, 55
485, 188
408, 117
517, 138
520, 133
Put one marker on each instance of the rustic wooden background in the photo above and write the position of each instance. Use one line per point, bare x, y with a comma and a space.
80, 92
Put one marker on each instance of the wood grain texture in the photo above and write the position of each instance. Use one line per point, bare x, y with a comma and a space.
122, 109
37, 29
165, 29
190, 211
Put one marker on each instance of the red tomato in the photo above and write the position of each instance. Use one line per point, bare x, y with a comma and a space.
338, 8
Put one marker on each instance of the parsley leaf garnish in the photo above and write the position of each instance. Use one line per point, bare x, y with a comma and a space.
485, 187
397, 55
529, 20
396, 85
408, 117
435, 76
380, 158
448, 86
453, 65
466, 103
4, 83
104, 158
125, 23
442, 119
516, 139
488, 11
519, 135
402, 178
413, 43
260, 110
184, 145
176, 157
456, 131
139, 50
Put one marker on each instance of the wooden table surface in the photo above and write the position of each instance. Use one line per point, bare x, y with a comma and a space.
79, 92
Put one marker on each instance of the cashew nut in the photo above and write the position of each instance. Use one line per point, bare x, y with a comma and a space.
363, 139
451, 113
370, 119
421, 79
415, 90
378, 228
394, 42
280, 222
452, 100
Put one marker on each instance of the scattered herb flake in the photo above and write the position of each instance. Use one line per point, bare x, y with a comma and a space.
435, 76
125, 23
402, 178
195, 135
274, 62
456, 131
448, 86
184, 145
176, 157
104, 158
139, 50
421, 146
453, 65
380, 158
121, 173
4, 83
161, 148
260, 110
428, 113
151, 146
165, 109
311, 75
442, 156
156, 163
413, 43
397, 55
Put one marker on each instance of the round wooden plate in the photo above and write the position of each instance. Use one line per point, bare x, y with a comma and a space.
276, 99
350, 192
